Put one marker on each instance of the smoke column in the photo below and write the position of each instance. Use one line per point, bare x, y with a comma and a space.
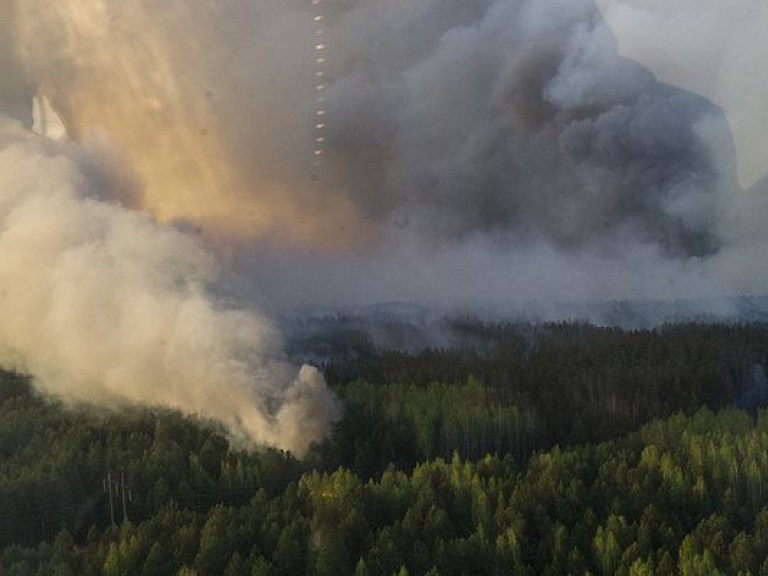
103, 305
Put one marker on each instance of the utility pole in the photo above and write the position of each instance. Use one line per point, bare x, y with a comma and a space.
111, 502
122, 489
117, 491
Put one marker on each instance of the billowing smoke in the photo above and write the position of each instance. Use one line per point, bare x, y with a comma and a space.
519, 117
505, 150
491, 150
103, 305
448, 117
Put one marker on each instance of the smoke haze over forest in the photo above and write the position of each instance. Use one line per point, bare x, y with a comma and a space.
477, 152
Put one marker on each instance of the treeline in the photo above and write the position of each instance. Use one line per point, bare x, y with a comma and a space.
518, 388
404, 424
688, 495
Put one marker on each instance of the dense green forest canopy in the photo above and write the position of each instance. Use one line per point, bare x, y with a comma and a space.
519, 449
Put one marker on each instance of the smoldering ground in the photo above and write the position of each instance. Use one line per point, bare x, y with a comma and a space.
484, 151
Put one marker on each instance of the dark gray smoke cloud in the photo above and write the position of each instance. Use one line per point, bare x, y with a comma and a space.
506, 151
519, 117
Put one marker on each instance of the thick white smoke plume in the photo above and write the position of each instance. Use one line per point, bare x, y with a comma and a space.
487, 150
103, 305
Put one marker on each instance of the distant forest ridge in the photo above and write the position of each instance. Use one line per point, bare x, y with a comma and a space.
411, 326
